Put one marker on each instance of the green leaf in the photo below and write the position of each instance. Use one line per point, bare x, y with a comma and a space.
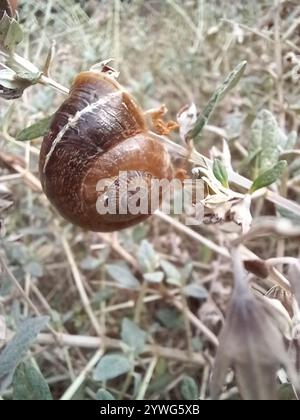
103, 395
133, 335
111, 366
4, 26
156, 277
286, 392
7, 78
230, 82
291, 140
17, 348
11, 33
147, 257
170, 318
10, 86
102, 295
220, 172
295, 167
91, 263
189, 389
287, 214
173, 275
269, 177
123, 276
28, 77
196, 291
34, 131
29, 384
34, 268
269, 139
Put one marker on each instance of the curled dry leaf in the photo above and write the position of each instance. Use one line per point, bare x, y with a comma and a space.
224, 155
186, 119
253, 345
240, 213
160, 126
11, 33
12, 84
211, 317
284, 297
252, 342
104, 67
8, 88
223, 204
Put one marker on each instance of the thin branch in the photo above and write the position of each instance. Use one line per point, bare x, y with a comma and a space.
73, 388
147, 379
198, 324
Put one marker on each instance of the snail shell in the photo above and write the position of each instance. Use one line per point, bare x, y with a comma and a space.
98, 132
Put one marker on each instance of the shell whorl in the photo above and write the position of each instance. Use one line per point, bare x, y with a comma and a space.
98, 112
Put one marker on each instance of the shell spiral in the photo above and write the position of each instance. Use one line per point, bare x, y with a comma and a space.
98, 132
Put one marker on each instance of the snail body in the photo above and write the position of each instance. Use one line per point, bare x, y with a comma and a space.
98, 132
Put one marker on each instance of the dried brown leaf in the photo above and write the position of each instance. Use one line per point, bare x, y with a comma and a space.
252, 342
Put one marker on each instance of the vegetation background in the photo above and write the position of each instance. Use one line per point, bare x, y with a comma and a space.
151, 298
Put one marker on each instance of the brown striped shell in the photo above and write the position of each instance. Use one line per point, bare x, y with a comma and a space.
96, 133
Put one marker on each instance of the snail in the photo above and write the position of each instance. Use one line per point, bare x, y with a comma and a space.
98, 132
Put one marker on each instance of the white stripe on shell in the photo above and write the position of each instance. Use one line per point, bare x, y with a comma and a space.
72, 121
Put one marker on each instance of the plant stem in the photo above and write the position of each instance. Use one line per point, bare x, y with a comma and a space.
44, 80
88, 342
147, 379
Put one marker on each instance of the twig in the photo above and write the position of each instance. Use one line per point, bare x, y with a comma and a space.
191, 233
147, 379
33, 182
80, 287
276, 276
73, 388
